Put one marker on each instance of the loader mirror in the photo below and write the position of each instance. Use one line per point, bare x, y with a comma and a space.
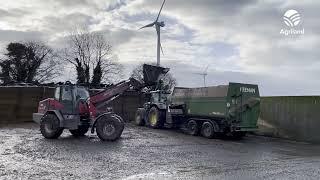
152, 73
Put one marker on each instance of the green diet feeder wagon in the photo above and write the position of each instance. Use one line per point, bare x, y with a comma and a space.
229, 110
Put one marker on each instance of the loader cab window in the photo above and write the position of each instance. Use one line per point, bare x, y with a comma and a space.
66, 94
67, 99
82, 93
57, 93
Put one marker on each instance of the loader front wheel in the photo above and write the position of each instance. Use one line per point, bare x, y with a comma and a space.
109, 128
50, 127
81, 131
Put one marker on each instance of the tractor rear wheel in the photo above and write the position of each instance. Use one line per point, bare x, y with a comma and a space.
139, 118
81, 131
207, 130
156, 118
50, 126
109, 128
193, 128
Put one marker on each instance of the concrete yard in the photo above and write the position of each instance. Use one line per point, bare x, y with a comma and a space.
144, 153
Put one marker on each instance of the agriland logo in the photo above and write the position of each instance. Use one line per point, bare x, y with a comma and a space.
292, 18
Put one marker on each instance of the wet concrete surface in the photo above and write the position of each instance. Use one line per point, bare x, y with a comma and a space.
144, 153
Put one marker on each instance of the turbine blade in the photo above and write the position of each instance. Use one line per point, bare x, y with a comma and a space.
148, 25
205, 71
160, 10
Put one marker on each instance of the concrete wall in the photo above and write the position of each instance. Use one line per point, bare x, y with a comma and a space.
18, 103
292, 117
126, 105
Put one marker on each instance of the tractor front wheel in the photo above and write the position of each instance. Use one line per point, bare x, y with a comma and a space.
50, 126
109, 128
156, 118
81, 131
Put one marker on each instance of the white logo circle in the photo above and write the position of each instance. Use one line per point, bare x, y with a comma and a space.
291, 18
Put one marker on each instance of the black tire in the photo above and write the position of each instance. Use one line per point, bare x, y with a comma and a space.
207, 130
155, 118
109, 128
50, 126
81, 131
139, 118
120, 119
193, 127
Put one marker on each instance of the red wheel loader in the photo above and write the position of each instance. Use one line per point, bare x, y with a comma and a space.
72, 108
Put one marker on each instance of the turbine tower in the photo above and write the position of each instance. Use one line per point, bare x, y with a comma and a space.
204, 74
157, 25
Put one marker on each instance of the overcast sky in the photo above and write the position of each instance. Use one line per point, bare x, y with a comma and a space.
240, 40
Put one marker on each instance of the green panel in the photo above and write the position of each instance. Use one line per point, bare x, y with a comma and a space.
250, 117
207, 106
292, 117
239, 95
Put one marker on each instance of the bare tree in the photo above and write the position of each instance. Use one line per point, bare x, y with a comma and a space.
137, 73
168, 80
28, 62
50, 65
90, 53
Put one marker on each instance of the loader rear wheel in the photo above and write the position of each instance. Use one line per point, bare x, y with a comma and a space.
81, 131
156, 118
193, 128
50, 127
109, 128
207, 130
139, 118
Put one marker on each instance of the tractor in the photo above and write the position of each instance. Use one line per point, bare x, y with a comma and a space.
74, 109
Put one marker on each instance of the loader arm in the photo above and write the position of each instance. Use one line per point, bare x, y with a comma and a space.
150, 76
104, 97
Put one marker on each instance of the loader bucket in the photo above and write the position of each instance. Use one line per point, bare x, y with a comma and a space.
152, 73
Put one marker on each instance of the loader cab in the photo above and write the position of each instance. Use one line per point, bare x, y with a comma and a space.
64, 94
69, 95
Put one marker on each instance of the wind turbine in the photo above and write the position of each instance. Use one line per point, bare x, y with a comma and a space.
204, 74
157, 25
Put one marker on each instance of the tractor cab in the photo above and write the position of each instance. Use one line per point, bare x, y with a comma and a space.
159, 96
